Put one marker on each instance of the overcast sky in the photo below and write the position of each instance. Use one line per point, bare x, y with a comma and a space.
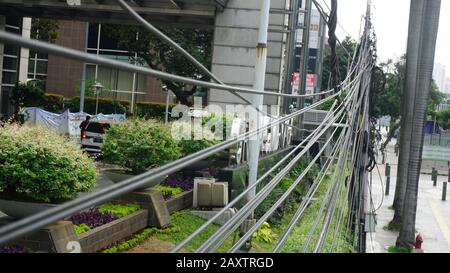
390, 19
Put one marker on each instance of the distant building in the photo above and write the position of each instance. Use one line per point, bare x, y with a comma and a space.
447, 86
63, 76
439, 76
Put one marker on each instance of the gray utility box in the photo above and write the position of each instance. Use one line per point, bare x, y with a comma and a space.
210, 194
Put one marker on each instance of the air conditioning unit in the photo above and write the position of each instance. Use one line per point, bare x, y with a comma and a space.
210, 194
196, 183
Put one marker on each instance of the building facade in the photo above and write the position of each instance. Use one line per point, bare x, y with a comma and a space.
439, 76
64, 76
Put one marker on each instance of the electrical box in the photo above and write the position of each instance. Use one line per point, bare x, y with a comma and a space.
204, 197
370, 222
210, 194
196, 182
219, 195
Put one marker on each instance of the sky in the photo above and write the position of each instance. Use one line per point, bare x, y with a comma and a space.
391, 19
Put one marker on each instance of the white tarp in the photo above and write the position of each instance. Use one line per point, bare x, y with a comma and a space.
65, 123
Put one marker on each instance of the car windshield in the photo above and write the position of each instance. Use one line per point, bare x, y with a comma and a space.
97, 127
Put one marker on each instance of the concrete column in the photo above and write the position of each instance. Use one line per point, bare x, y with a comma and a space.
24, 52
234, 52
2, 47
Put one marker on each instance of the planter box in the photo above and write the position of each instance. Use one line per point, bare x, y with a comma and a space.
118, 176
181, 202
54, 238
19, 209
106, 235
159, 210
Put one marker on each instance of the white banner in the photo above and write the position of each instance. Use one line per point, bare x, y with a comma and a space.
65, 123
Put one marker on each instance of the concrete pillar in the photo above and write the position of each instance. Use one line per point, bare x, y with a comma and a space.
24, 52
2, 48
234, 53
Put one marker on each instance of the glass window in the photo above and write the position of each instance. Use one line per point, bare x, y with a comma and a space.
10, 63
9, 77
31, 66
10, 50
41, 67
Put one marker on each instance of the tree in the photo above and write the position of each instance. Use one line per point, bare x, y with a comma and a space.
44, 29
155, 53
344, 53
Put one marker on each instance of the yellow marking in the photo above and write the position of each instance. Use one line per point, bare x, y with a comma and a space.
441, 222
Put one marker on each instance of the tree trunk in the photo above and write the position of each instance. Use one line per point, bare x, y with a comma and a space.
428, 36
407, 110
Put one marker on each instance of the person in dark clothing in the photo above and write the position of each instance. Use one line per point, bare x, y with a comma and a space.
84, 125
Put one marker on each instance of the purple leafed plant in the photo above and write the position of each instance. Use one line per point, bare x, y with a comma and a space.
93, 218
186, 184
13, 249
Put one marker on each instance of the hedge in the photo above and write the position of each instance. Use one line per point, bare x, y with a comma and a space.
108, 106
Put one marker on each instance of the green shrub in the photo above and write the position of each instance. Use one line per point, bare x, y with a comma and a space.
119, 211
42, 165
80, 229
152, 110
138, 145
53, 103
217, 121
105, 106
169, 192
264, 234
197, 140
293, 200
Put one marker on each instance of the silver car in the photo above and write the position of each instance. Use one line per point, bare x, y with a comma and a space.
93, 136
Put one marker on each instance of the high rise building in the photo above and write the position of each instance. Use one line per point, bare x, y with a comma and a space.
439, 76
447, 85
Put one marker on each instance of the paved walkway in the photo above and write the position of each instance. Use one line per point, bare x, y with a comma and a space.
433, 215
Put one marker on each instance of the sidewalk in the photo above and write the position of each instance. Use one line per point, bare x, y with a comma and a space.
433, 215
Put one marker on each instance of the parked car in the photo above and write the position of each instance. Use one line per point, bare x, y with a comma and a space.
93, 136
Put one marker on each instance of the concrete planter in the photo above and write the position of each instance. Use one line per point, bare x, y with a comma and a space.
199, 165
118, 176
111, 233
20, 209
180, 202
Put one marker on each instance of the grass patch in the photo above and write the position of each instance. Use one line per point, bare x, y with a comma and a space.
391, 227
394, 249
189, 224
140, 237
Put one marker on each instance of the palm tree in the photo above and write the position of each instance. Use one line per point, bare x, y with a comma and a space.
427, 39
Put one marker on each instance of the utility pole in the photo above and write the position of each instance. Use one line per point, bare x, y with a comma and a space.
427, 48
304, 61
290, 55
84, 75
257, 100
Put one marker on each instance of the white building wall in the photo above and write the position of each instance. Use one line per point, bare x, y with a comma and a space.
439, 76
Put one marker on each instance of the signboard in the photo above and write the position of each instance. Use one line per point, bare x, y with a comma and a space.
310, 84
314, 31
295, 83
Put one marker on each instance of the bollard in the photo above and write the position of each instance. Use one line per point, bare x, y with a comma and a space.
434, 176
388, 185
388, 178
444, 192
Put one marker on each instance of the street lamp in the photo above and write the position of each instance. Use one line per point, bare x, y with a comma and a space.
98, 88
166, 114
